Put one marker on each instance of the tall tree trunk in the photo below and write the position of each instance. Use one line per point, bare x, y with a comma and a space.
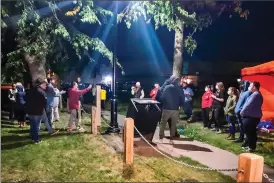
36, 67
178, 49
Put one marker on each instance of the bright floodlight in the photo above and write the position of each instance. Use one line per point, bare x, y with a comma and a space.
239, 80
107, 79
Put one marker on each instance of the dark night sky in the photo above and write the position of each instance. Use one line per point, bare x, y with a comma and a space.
227, 39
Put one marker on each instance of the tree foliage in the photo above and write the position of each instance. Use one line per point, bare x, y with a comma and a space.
195, 15
49, 32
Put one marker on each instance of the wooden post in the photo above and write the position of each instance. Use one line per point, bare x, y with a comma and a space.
94, 125
98, 105
250, 168
128, 141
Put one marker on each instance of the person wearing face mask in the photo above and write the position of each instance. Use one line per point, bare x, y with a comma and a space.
206, 105
252, 113
229, 110
217, 106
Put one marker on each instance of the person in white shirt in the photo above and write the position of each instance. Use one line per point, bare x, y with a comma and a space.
137, 91
11, 96
56, 100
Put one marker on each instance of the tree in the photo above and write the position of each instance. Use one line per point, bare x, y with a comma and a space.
47, 34
178, 15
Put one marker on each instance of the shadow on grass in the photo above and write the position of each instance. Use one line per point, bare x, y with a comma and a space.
8, 126
16, 141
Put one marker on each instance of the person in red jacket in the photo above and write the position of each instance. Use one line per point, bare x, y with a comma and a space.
206, 105
154, 91
74, 106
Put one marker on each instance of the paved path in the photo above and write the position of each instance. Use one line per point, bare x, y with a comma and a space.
206, 154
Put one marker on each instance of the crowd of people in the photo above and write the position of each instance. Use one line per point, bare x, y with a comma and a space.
242, 107
41, 104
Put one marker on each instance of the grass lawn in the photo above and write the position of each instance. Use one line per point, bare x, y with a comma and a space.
265, 146
83, 158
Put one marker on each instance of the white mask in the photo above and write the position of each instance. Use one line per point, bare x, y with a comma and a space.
206, 89
217, 88
229, 92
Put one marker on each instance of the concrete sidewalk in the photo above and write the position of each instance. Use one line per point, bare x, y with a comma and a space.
206, 154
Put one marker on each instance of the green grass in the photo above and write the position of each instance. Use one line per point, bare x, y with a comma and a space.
265, 148
82, 157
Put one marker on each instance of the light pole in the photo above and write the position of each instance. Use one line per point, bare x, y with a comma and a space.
114, 123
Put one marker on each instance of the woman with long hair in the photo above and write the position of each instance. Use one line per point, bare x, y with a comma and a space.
217, 106
229, 110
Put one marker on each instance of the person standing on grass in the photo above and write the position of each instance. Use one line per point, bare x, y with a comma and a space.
245, 93
188, 100
74, 106
154, 91
81, 86
217, 106
50, 99
12, 93
20, 104
206, 105
229, 111
36, 103
171, 97
55, 111
252, 113
137, 91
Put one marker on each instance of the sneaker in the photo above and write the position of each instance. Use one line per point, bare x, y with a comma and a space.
219, 132
238, 140
213, 129
37, 142
80, 129
159, 141
54, 132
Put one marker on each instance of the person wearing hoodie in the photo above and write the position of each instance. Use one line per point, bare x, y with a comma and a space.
20, 104
171, 97
252, 113
74, 95
245, 93
206, 105
229, 111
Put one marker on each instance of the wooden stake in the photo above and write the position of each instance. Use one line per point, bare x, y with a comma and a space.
98, 105
128, 141
250, 168
94, 129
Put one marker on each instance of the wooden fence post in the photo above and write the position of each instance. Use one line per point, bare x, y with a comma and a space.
94, 125
128, 141
98, 105
250, 168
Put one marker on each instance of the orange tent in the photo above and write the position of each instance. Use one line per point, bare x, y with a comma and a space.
264, 74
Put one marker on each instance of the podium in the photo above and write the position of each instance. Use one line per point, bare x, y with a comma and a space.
146, 114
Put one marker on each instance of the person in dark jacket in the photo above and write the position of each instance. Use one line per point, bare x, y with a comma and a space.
252, 113
245, 93
217, 106
36, 103
137, 91
171, 97
20, 105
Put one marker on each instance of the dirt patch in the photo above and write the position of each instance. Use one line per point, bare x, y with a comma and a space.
143, 149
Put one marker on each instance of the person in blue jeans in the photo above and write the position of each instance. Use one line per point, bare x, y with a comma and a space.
229, 111
188, 100
36, 103
245, 93
50, 99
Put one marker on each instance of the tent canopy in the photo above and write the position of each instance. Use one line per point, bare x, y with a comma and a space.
264, 74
